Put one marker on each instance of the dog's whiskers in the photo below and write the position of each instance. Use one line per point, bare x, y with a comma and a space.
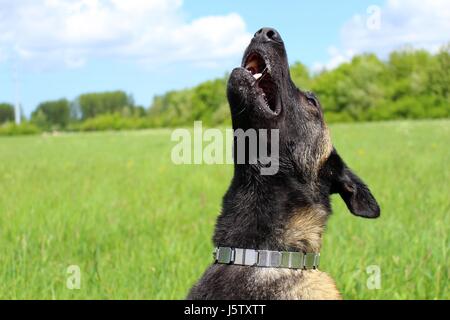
240, 112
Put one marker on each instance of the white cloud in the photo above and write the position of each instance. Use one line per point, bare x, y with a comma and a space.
420, 24
49, 33
337, 57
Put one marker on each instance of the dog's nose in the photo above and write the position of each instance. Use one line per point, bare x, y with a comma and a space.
268, 34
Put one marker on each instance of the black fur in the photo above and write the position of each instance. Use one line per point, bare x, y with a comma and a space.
256, 208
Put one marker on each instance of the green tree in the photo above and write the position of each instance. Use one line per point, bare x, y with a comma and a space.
206, 102
408, 69
352, 90
94, 104
6, 112
439, 84
301, 76
52, 114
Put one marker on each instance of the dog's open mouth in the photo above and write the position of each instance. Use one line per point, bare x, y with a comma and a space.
264, 83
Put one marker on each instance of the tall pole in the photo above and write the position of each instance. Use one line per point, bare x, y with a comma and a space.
17, 113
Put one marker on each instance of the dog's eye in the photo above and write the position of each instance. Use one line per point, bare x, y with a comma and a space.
312, 99
313, 102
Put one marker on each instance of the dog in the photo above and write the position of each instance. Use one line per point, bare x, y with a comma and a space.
268, 221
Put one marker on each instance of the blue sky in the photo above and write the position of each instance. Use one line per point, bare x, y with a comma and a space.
63, 48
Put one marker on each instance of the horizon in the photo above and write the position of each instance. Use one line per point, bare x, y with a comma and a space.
194, 42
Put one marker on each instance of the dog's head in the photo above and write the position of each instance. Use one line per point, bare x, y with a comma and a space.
263, 96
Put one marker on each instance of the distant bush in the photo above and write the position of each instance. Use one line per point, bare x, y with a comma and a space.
52, 115
91, 105
333, 117
114, 121
12, 129
6, 112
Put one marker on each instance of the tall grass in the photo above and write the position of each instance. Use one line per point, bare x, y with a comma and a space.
140, 227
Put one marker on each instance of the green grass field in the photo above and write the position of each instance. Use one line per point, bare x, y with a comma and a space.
140, 227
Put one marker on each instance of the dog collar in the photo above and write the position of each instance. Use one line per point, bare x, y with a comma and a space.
266, 258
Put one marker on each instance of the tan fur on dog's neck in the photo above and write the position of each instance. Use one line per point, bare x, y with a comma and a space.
304, 233
305, 228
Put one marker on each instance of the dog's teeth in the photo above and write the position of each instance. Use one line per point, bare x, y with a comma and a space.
257, 75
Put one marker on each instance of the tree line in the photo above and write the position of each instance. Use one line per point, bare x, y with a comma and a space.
410, 84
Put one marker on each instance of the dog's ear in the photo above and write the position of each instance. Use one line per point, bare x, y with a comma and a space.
354, 192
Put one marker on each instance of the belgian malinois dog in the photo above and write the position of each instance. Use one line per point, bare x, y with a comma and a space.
269, 232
